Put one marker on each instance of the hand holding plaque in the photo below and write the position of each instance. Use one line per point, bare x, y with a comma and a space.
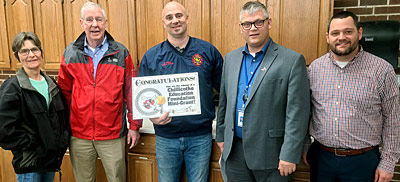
177, 94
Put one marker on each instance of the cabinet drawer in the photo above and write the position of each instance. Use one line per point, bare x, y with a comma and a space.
146, 144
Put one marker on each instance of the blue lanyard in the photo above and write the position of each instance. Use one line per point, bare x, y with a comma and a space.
247, 80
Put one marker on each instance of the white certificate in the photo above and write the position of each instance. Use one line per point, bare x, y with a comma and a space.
177, 94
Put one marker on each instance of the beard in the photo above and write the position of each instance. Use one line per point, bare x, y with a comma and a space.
346, 52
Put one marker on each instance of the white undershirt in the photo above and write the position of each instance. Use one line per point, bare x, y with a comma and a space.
342, 64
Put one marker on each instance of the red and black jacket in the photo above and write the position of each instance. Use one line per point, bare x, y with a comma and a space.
98, 106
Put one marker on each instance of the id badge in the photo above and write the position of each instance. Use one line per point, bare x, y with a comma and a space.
240, 118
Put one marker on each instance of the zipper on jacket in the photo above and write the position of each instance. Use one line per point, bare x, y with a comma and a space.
94, 98
94, 89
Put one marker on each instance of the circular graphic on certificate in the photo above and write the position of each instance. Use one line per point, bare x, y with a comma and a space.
146, 102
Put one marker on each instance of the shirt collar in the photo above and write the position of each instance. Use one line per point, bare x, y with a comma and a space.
178, 48
85, 44
263, 50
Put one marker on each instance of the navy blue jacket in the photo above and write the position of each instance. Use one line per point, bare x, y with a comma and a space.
198, 56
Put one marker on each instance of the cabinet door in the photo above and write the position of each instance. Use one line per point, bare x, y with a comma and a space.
142, 168
19, 18
150, 30
199, 18
303, 19
7, 173
121, 23
302, 173
49, 27
66, 169
225, 25
72, 16
215, 173
4, 51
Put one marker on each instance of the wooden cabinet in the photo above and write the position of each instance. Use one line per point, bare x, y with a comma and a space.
302, 26
149, 28
142, 162
4, 51
298, 25
302, 173
225, 25
19, 18
43, 17
68, 173
142, 168
49, 27
72, 15
215, 170
7, 173
122, 23
49, 14
215, 173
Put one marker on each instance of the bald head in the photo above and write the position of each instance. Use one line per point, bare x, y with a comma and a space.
175, 20
171, 6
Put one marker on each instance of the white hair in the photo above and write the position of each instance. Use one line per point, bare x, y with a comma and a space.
90, 4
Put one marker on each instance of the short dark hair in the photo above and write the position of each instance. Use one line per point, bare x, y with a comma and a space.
345, 14
19, 40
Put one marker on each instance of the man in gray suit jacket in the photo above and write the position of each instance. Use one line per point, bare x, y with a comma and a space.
264, 104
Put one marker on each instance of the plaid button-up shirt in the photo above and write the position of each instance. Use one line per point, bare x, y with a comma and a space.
356, 106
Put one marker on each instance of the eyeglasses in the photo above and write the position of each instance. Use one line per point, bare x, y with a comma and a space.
90, 20
257, 24
25, 52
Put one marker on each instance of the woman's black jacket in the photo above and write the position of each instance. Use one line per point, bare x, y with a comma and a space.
37, 135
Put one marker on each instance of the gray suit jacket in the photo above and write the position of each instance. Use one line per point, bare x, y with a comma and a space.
277, 112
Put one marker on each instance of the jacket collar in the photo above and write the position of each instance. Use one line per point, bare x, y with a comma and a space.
80, 42
24, 82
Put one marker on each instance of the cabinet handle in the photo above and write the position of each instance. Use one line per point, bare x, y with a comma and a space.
142, 143
144, 158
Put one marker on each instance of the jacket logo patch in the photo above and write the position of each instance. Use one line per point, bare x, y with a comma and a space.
197, 60
114, 60
167, 63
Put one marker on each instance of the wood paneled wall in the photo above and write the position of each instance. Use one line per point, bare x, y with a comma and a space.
299, 25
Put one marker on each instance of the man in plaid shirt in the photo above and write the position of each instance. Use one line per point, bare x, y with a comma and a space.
355, 108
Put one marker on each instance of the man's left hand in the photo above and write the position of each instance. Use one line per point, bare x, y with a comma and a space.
132, 138
382, 176
286, 168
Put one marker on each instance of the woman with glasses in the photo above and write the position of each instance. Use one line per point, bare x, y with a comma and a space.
34, 122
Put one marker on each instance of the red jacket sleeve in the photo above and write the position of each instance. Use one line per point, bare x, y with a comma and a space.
129, 74
64, 81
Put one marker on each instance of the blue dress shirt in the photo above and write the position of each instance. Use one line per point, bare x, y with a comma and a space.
252, 64
98, 53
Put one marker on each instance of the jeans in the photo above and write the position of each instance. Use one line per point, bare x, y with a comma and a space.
194, 151
36, 177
